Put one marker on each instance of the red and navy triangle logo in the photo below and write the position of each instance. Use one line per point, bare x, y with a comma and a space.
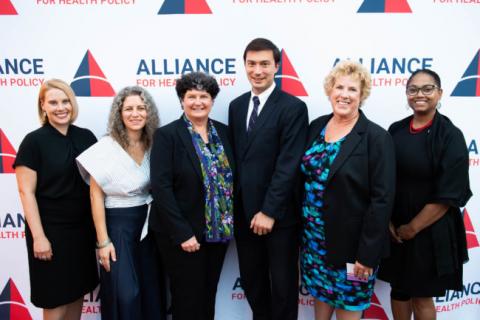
12, 306
384, 6
469, 85
472, 240
7, 155
287, 79
185, 7
7, 8
89, 81
375, 311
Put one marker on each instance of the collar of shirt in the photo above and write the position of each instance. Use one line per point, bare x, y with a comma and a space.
263, 97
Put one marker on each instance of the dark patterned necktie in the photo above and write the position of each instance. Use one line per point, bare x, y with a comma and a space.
254, 115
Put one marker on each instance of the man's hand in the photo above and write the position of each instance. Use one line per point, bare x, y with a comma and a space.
261, 224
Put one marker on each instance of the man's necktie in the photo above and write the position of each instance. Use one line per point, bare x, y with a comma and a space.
254, 115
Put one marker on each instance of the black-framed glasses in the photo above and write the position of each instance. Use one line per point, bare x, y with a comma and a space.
426, 89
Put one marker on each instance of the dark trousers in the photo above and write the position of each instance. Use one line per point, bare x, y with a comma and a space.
193, 277
269, 270
133, 287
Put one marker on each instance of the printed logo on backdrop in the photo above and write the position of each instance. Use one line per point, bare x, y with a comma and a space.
472, 239
287, 78
375, 311
91, 303
21, 72
12, 226
385, 6
304, 297
391, 71
277, 3
454, 300
474, 159
90, 81
7, 154
185, 7
85, 3
12, 305
469, 84
163, 72
7, 8
470, 294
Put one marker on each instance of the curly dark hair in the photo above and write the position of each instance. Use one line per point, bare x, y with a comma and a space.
116, 127
196, 81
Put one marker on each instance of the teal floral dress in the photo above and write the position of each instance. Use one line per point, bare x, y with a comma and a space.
323, 281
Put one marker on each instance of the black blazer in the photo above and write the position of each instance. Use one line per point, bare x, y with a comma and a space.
178, 209
268, 158
359, 194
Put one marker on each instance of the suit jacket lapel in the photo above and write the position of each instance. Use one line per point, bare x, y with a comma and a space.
186, 139
351, 141
314, 131
241, 128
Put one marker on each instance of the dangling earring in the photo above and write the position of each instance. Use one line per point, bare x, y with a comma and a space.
439, 105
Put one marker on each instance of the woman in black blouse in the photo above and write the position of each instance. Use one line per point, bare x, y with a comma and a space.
59, 233
428, 235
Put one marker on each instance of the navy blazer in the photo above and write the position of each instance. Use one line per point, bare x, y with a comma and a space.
178, 210
359, 194
268, 158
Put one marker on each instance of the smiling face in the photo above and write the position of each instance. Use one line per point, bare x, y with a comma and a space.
345, 96
421, 103
134, 113
197, 105
261, 68
58, 108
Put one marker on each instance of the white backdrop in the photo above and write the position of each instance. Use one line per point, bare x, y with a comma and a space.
101, 46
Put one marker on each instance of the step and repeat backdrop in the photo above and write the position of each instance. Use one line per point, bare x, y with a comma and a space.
100, 46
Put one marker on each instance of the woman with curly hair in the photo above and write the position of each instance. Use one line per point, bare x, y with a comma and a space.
118, 168
192, 184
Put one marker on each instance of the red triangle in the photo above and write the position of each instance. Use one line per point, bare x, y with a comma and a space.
94, 67
19, 312
375, 311
477, 91
6, 145
197, 7
399, 6
14, 294
467, 221
294, 87
287, 67
100, 88
7, 8
472, 240
375, 299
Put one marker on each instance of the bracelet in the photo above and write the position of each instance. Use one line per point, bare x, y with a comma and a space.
104, 243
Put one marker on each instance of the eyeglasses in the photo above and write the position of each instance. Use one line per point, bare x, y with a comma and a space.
426, 89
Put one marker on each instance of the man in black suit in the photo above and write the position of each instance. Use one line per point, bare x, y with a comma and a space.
269, 129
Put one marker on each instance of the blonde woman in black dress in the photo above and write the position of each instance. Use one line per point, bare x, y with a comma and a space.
59, 229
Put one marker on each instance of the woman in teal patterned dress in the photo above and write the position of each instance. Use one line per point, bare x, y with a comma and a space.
349, 169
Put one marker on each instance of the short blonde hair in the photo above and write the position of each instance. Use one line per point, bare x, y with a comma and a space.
61, 85
350, 68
